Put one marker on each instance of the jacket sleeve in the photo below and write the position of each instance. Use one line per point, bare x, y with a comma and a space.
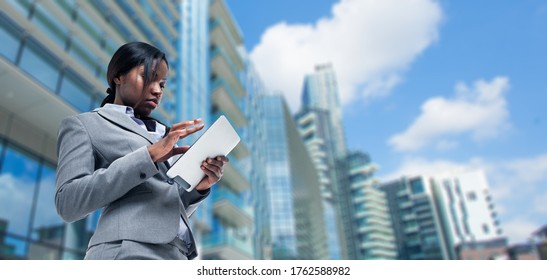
193, 199
80, 188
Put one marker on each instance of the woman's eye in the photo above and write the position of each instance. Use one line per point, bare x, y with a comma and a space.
162, 86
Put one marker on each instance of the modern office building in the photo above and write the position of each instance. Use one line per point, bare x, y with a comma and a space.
467, 209
415, 220
372, 228
258, 143
228, 229
319, 121
296, 213
193, 63
347, 180
315, 130
320, 91
53, 60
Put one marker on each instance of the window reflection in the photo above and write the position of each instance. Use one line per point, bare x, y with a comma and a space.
41, 66
50, 25
9, 39
48, 228
17, 182
74, 92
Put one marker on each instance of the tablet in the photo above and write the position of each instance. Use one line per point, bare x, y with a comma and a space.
218, 140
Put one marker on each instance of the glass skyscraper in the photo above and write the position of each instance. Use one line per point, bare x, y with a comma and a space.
296, 214
257, 168
316, 132
356, 214
320, 91
53, 60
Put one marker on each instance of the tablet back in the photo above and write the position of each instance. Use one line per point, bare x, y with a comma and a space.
219, 140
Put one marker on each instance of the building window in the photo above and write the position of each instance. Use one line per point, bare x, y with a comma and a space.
471, 196
48, 228
10, 40
17, 183
50, 25
417, 186
83, 54
75, 93
485, 229
43, 67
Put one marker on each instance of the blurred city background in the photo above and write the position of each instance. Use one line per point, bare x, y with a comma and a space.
336, 161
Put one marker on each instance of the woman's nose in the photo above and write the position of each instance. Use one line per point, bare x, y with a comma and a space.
156, 89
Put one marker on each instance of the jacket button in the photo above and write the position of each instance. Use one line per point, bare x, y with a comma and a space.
142, 175
170, 181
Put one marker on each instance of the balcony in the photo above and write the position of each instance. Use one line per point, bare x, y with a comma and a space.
218, 10
227, 246
228, 206
220, 37
365, 183
234, 178
222, 66
406, 204
224, 99
28, 100
366, 169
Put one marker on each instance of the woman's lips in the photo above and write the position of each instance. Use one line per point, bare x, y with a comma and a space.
152, 102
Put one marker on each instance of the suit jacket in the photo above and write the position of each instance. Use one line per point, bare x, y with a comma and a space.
104, 163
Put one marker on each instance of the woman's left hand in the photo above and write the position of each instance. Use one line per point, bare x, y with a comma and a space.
214, 169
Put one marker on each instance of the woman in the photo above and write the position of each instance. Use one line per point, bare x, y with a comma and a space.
115, 158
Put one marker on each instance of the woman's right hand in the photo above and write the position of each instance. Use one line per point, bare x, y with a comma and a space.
165, 148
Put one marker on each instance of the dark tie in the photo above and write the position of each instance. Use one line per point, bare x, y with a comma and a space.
148, 122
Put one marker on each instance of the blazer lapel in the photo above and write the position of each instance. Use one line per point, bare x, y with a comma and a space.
125, 122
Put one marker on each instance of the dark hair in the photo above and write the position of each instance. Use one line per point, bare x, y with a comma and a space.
127, 57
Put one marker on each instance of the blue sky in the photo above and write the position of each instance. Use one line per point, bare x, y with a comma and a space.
427, 86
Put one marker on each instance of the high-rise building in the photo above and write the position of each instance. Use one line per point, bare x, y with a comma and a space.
320, 125
296, 214
228, 230
193, 100
320, 91
466, 205
257, 168
373, 236
53, 61
315, 130
415, 220
346, 180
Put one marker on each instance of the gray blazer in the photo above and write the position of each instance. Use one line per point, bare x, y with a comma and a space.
104, 163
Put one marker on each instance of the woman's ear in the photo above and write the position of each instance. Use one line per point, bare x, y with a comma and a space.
117, 80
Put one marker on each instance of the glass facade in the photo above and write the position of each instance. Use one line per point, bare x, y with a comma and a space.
29, 225
56, 54
296, 211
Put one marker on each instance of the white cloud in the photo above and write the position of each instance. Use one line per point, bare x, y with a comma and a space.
518, 230
370, 44
480, 111
540, 204
417, 166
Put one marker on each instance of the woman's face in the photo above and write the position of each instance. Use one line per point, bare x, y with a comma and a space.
130, 91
